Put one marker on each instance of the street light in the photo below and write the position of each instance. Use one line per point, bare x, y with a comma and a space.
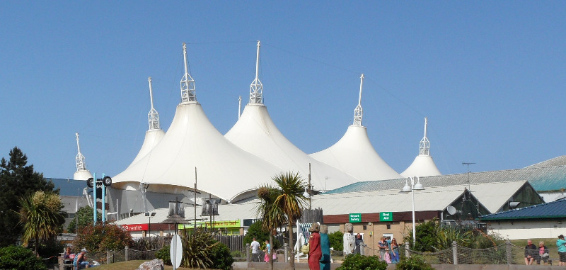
149, 216
412, 188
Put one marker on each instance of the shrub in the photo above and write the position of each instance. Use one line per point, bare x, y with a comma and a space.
197, 249
103, 237
427, 236
336, 240
18, 257
357, 262
221, 257
165, 254
413, 263
148, 243
237, 254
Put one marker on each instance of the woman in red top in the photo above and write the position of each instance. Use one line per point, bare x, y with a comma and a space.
315, 253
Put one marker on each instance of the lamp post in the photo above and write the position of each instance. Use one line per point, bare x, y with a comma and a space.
308, 189
412, 188
149, 216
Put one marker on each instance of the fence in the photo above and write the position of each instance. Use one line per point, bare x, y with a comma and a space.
506, 253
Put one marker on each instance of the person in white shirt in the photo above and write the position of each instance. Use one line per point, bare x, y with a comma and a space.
255, 250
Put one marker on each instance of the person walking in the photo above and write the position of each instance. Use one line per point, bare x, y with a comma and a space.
267, 251
561, 244
255, 250
325, 260
315, 252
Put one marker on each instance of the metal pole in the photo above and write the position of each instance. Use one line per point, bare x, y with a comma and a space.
413, 201
310, 195
94, 197
149, 226
103, 187
195, 202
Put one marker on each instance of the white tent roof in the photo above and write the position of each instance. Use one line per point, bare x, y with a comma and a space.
256, 133
152, 138
355, 155
224, 170
423, 165
82, 175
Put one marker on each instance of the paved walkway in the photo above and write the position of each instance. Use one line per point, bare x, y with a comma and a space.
304, 266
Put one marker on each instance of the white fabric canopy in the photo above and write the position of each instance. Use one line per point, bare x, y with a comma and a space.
224, 170
256, 133
423, 165
355, 155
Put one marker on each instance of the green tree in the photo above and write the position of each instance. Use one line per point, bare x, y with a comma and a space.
17, 180
256, 231
272, 216
289, 201
83, 218
41, 217
18, 257
336, 240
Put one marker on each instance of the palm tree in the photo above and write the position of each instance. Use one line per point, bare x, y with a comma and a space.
290, 200
272, 217
41, 215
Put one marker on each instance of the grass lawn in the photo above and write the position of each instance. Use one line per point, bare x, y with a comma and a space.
129, 265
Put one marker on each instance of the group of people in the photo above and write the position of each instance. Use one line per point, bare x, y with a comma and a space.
534, 253
255, 246
319, 248
388, 250
78, 260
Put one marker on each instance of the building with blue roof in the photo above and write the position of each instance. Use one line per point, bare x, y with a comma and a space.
547, 220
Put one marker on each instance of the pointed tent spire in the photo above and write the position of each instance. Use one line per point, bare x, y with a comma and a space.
80, 159
424, 145
358, 112
256, 88
187, 83
153, 115
239, 106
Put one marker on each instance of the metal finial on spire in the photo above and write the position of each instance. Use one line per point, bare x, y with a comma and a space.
424, 145
239, 106
153, 115
187, 83
256, 88
358, 112
80, 159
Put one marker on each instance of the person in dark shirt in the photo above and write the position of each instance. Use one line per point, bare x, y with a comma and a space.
359, 244
530, 252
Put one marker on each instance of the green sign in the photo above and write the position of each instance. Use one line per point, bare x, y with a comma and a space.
355, 217
386, 216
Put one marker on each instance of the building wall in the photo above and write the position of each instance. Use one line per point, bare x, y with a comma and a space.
527, 228
372, 229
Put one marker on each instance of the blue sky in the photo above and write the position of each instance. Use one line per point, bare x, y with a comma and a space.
489, 75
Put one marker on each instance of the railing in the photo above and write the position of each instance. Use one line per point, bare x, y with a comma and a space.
506, 253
